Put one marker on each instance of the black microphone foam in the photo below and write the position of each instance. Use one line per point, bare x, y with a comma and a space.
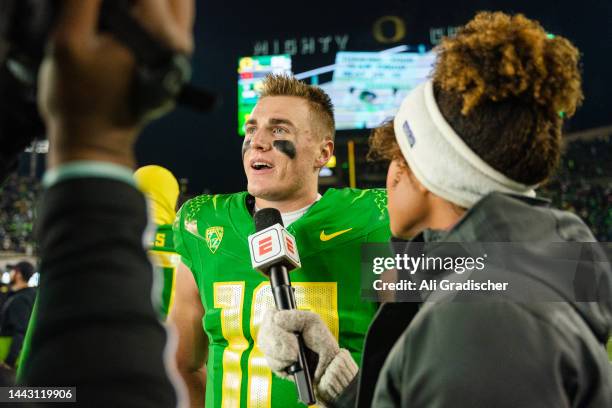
267, 217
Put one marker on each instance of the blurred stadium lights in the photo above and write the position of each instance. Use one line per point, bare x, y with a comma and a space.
38, 146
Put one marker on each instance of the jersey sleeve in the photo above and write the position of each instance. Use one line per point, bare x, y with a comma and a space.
187, 237
380, 217
181, 245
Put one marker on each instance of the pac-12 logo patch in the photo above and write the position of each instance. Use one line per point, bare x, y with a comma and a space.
409, 134
214, 236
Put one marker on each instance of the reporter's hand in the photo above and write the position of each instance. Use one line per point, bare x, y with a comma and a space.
86, 76
335, 367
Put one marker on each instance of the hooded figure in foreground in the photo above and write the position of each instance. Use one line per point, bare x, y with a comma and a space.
467, 151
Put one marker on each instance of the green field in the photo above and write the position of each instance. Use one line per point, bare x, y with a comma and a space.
610, 348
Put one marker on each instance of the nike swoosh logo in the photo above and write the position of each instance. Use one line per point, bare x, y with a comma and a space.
324, 237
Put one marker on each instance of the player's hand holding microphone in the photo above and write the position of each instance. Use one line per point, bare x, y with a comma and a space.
285, 332
335, 366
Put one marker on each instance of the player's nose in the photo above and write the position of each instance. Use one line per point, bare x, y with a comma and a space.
261, 141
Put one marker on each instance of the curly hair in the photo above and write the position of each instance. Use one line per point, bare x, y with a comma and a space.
382, 143
505, 85
496, 57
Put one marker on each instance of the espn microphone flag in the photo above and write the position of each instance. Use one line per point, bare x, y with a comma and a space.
274, 253
271, 245
264, 246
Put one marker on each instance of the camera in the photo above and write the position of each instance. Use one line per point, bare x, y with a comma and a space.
159, 81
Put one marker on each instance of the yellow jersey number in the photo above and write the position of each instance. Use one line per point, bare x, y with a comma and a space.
317, 297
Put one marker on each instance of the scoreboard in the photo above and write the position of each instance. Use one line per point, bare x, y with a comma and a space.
251, 72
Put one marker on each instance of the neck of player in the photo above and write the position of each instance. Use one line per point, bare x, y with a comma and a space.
290, 204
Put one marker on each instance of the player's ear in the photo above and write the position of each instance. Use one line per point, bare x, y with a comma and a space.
326, 151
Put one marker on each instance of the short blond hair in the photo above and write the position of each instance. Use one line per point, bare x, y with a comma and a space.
320, 103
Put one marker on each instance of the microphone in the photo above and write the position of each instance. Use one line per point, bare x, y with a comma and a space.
274, 253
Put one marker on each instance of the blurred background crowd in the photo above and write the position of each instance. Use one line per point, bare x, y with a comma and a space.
18, 196
583, 185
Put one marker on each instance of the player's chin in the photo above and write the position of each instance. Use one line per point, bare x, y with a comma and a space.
262, 189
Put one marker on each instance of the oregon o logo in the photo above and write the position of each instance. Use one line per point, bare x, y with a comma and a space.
399, 29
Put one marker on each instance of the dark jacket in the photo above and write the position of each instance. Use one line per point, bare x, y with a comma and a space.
533, 347
14, 318
96, 328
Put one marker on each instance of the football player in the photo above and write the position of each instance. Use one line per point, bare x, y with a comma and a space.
220, 300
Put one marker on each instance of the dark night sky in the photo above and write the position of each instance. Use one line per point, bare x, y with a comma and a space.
205, 148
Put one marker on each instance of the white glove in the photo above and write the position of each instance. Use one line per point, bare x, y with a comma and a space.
335, 368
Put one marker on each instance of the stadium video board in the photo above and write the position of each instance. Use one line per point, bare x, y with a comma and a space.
365, 87
251, 72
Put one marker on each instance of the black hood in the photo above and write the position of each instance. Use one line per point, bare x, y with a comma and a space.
544, 237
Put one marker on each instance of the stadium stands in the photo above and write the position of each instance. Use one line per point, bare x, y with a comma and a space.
17, 213
583, 183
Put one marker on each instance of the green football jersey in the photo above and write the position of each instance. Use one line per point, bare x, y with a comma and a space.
211, 235
165, 261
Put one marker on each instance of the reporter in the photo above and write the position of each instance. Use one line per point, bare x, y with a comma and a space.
467, 150
96, 328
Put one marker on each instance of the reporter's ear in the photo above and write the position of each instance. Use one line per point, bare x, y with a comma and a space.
416, 183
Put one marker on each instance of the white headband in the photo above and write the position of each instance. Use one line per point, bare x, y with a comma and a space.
438, 157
